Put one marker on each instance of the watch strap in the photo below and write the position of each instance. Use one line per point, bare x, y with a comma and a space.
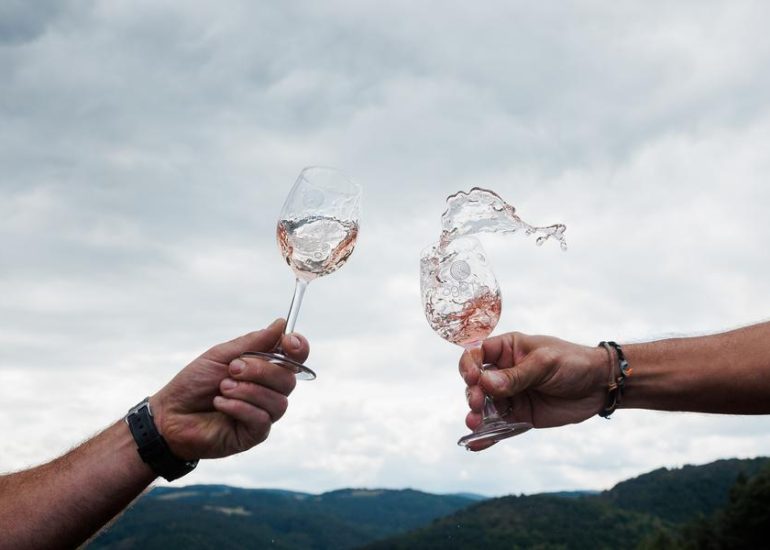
152, 447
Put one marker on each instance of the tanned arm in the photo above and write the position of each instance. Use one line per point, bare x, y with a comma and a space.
551, 382
217, 406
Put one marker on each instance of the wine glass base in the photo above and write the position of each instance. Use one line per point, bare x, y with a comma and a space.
301, 371
494, 431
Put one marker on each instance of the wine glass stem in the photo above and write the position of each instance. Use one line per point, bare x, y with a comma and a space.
489, 413
296, 303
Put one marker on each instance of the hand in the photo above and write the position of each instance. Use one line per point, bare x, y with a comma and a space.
220, 404
539, 379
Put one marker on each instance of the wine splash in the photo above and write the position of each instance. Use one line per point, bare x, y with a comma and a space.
316, 245
471, 322
484, 211
457, 307
460, 295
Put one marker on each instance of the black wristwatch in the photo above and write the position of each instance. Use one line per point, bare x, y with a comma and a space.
152, 447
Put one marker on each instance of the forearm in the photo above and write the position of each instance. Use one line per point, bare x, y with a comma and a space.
62, 503
724, 373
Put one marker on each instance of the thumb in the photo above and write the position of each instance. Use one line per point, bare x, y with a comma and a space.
531, 371
261, 340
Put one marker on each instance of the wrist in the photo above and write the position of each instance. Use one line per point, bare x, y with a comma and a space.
599, 370
152, 446
618, 372
158, 408
124, 444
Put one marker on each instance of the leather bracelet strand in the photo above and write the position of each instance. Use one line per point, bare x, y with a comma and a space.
617, 383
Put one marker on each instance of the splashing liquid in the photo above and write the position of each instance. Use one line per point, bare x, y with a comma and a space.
484, 211
459, 312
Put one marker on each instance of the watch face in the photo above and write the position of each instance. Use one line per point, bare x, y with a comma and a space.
144, 404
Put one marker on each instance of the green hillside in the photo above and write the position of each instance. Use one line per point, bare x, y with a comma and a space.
725, 504
226, 517
682, 494
538, 521
659, 505
743, 524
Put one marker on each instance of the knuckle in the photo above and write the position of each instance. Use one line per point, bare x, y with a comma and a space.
544, 356
228, 386
262, 419
253, 370
281, 406
291, 383
261, 434
514, 378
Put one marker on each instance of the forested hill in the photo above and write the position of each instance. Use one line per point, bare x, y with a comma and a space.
221, 517
660, 509
681, 494
657, 510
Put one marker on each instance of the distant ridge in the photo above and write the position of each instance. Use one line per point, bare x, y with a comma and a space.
653, 505
470, 496
571, 494
222, 517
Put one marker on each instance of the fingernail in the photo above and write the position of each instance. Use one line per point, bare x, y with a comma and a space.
496, 379
468, 395
228, 384
295, 342
237, 366
219, 400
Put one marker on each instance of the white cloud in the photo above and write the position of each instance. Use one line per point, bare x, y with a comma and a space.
145, 151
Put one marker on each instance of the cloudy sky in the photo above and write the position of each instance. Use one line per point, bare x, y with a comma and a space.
146, 148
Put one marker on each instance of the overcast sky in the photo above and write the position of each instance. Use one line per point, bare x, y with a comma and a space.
146, 148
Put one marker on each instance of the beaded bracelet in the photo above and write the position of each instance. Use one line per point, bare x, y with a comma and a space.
616, 384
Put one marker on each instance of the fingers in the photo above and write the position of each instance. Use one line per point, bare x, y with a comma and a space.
502, 351
470, 366
255, 396
497, 350
474, 395
530, 371
264, 373
508, 349
295, 346
258, 384
260, 340
270, 401
256, 422
477, 446
473, 420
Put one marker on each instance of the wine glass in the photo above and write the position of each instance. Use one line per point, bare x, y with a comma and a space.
316, 233
462, 303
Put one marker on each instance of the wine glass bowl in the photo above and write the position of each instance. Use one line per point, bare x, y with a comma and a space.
318, 226
460, 293
462, 303
316, 233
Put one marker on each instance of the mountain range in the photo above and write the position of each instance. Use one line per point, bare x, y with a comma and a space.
661, 509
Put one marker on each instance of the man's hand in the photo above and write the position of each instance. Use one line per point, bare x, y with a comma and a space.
220, 404
539, 379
